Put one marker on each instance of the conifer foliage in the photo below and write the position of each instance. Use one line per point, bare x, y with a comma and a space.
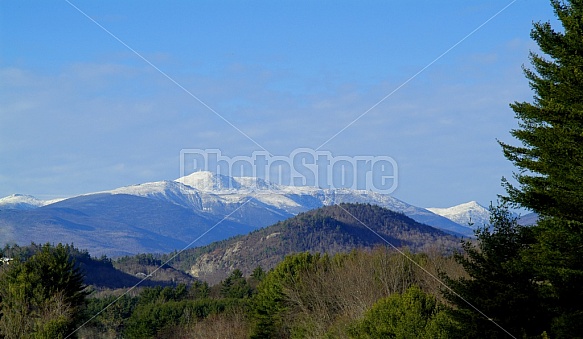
550, 160
42, 296
500, 284
551, 166
529, 280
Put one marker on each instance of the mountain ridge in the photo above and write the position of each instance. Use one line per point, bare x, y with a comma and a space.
184, 213
24, 202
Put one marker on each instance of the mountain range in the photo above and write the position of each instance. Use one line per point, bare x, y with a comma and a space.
170, 215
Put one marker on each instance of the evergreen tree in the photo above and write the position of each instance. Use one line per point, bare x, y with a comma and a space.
235, 286
258, 274
557, 257
550, 180
500, 284
42, 296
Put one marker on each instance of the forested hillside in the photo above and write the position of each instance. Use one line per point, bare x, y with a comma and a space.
331, 229
306, 295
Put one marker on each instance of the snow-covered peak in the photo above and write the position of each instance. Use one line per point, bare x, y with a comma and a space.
24, 202
209, 182
170, 191
466, 214
206, 181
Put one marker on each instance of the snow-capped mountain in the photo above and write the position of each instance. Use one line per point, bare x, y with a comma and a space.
220, 195
166, 215
23, 202
470, 214
296, 199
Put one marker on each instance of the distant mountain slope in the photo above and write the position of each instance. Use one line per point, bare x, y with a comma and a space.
329, 229
528, 219
470, 214
114, 225
23, 202
167, 215
478, 215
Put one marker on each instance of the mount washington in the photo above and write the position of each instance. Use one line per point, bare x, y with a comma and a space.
191, 211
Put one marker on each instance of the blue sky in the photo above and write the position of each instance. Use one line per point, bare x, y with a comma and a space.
80, 112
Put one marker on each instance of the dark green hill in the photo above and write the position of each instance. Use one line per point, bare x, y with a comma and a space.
103, 273
331, 229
